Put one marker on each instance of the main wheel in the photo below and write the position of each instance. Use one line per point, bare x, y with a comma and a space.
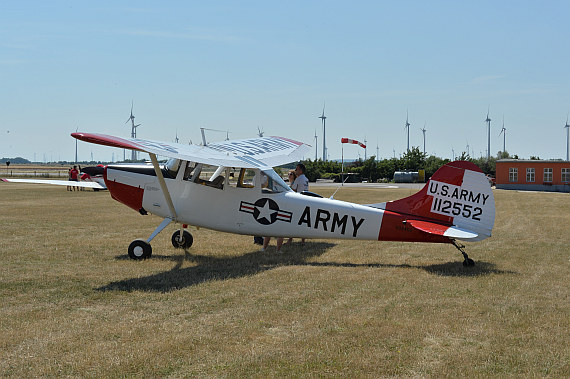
182, 243
140, 249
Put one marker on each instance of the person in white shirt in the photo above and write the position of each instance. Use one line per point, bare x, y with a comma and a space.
301, 183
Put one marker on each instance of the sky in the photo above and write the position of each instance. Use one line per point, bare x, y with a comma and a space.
242, 65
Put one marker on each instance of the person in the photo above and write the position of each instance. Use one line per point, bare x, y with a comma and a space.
74, 176
265, 240
301, 183
266, 243
292, 176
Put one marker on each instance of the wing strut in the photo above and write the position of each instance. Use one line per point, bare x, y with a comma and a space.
163, 186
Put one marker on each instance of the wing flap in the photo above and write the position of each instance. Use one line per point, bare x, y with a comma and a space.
442, 230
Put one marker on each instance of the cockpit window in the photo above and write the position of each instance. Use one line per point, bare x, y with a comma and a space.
271, 182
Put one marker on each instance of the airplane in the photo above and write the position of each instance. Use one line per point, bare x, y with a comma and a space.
92, 177
195, 187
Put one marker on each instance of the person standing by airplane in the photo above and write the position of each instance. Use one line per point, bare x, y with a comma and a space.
301, 183
74, 176
292, 176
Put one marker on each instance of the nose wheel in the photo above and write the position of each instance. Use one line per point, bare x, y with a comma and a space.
140, 249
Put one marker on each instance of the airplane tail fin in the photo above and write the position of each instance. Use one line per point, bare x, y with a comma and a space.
457, 202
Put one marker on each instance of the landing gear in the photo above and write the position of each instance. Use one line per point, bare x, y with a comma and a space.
182, 242
467, 262
140, 249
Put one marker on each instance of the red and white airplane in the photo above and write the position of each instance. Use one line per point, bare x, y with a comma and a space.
195, 188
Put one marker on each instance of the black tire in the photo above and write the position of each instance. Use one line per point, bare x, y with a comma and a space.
184, 243
468, 262
140, 249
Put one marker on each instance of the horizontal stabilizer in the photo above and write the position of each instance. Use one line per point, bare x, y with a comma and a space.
442, 230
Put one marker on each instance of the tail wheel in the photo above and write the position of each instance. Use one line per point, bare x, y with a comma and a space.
182, 243
140, 249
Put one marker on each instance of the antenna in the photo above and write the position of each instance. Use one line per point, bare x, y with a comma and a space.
424, 132
504, 132
488, 121
133, 130
567, 139
260, 131
202, 130
407, 126
323, 118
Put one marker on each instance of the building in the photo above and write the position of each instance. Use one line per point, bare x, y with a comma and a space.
533, 175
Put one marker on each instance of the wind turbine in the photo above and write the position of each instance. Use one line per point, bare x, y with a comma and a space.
567, 127
176, 138
323, 118
260, 132
488, 121
504, 132
424, 132
316, 143
377, 150
133, 130
407, 126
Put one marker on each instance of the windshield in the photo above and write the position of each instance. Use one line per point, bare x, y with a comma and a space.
274, 182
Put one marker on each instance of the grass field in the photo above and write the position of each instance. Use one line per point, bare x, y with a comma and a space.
72, 304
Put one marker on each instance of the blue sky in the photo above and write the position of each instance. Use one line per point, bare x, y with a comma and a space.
237, 66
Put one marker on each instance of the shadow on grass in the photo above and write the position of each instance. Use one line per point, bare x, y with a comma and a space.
445, 269
214, 268
210, 268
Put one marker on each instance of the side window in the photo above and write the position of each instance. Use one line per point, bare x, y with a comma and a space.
171, 167
242, 178
202, 173
190, 167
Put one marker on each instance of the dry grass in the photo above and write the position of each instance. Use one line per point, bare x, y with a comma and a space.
73, 305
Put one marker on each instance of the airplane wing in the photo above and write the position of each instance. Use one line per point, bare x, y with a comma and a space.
259, 152
83, 184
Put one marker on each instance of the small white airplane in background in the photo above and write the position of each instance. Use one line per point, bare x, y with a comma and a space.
92, 178
456, 204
